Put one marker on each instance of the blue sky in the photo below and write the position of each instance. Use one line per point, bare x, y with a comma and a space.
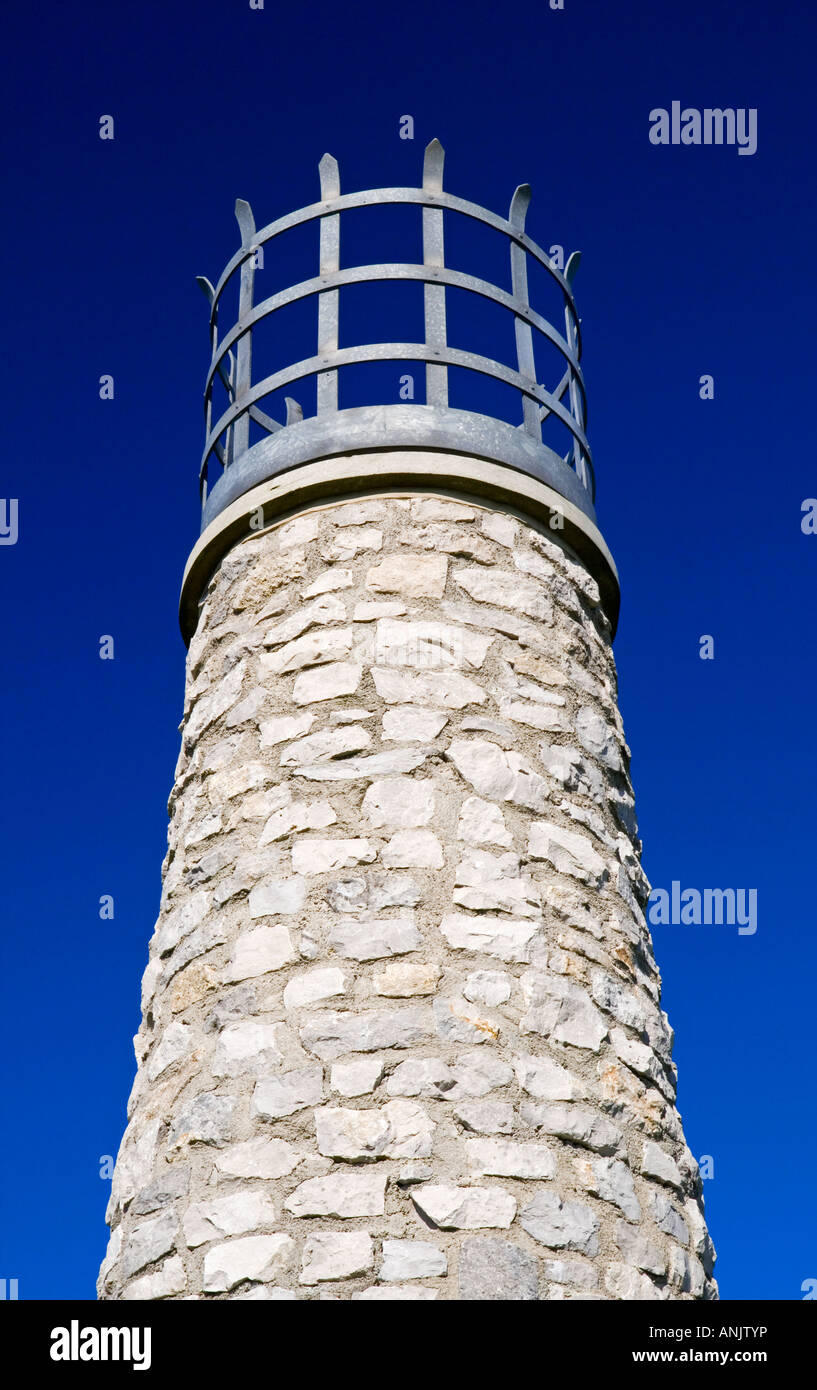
695, 260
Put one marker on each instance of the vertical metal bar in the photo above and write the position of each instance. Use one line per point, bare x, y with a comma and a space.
229, 440
208, 290
434, 295
576, 407
328, 306
524, 332
243, 366
576, 399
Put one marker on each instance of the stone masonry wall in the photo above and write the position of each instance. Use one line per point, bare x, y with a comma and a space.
401, 1030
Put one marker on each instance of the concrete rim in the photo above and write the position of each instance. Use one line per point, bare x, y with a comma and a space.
397, 473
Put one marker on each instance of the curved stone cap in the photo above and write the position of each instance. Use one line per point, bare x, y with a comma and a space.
389, 470
427, 427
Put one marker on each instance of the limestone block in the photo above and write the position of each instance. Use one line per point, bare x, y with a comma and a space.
328, 856
426, 645
349, 542
208, 1119
227, 1216
299, 815
168, 1281
505, 1159
323, 747
373, 612
507, 938
414, 576
330, 1035
611, 1180
336, 1255
375, 938
260, 950
276, 1096
568, 852
343, 1195
259, 1158
630, 1284
668, 1218
486, 1116
447, 688
284, 727
249, 1047
412, 1259
326, 682
357, 1078
312, 986
331, 579
148, 1241
277, 897
400, 1129
489, 987
579, 1272
263, 1257
407, 724
491, 1270
561, 1225
465, 1208
546, 1079
401, 981
399, 803
428, 1077
579, 1124
656, 1163
506, 590
482, 823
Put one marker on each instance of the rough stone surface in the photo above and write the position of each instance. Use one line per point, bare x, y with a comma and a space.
401, 1030
465, 1208
412, 1259
340, 1194
333, 1255
561, 1225
257, 1258
399, 1130
491, 1270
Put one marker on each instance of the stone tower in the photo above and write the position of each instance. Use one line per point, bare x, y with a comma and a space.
401, 1032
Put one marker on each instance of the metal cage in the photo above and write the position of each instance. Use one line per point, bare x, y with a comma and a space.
405, 425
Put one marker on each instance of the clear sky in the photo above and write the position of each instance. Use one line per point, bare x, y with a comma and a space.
696, 260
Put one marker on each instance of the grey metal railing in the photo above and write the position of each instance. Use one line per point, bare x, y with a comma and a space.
228, 437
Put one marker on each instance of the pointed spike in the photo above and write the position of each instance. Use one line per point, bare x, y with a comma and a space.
245, 220
519, 206
206, 288
330, 176
572, 266
295, 411
433, 162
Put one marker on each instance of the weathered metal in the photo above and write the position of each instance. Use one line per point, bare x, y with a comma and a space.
435, 424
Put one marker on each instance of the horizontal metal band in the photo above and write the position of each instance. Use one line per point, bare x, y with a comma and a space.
386, 352
363, 274
408, 426
372, 197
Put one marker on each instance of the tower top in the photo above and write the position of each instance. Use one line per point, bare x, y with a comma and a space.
537, 463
